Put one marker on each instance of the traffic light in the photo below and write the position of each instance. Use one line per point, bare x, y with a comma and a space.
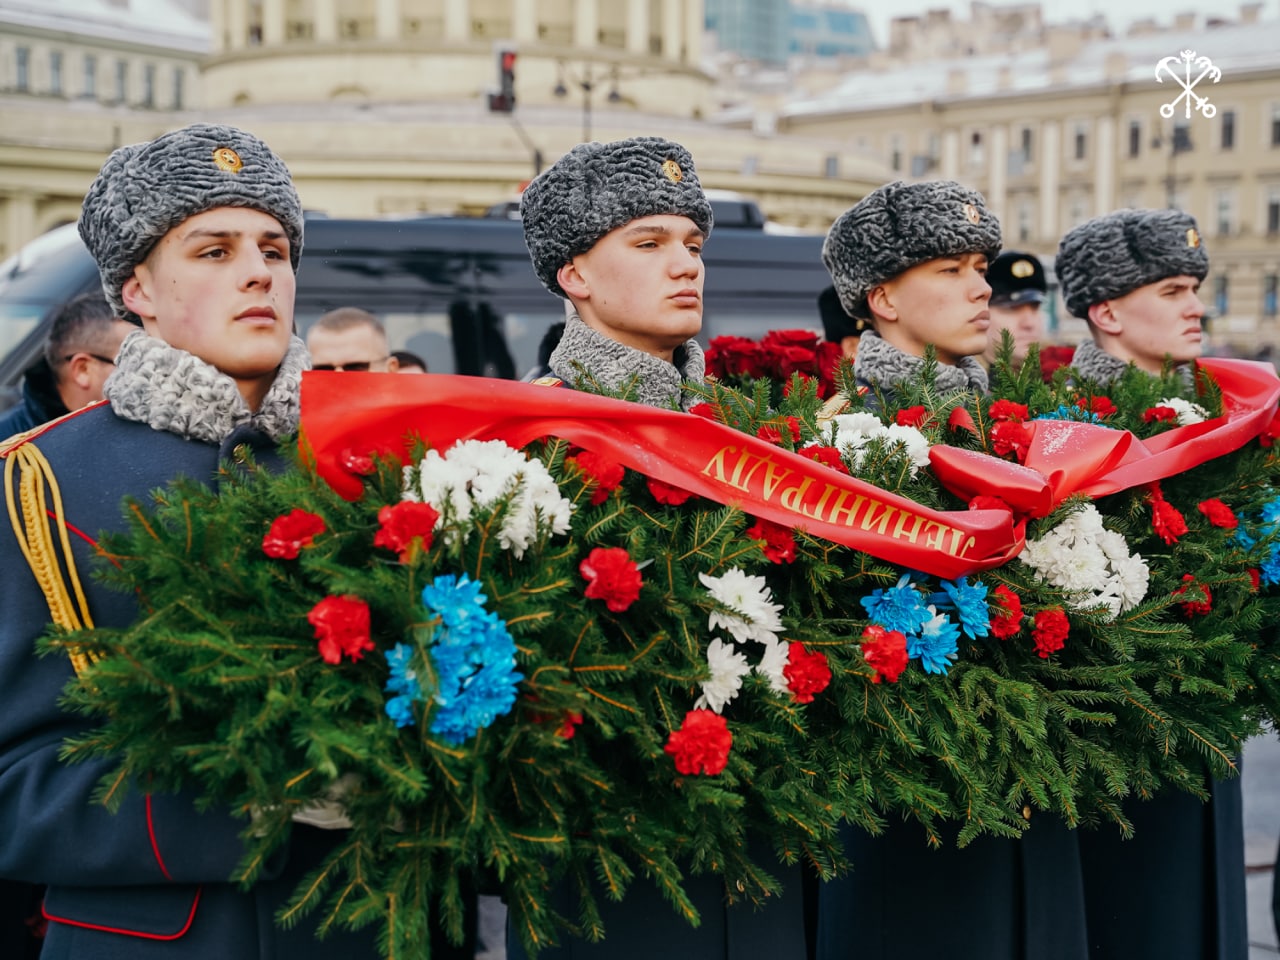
504, 100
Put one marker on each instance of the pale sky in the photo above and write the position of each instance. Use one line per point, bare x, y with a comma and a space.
1119, 13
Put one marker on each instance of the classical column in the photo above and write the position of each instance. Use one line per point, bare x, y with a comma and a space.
672, 41
217, 26
524, 20
1104, 166
638, 27
457, 20
237, 24
998, 182
1050, 159
324, 28
694, 25
20, 221
950, 154
272, 22
387, 19
586, 24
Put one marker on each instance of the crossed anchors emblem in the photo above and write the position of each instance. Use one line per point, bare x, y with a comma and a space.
1169, 67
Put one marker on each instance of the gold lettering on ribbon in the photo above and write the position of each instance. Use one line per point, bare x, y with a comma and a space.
766, 479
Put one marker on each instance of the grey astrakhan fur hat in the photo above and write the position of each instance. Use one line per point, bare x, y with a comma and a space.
144, 190
598, 187
1115, 254
900, 225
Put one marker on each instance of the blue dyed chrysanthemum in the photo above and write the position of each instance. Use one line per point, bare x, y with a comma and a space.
1071, 412
936, 646
403, 682
969, 602
899, 608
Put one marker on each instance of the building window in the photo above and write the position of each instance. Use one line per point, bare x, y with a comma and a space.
977, 153
1273, 211
55, 72
1226, 211
1135, 138
1182, 137
1228, 129
24, 69
1081, 149
90, 75
1024, 221
831, 166
1275, 124
1028, 141
1270, 294
895, 153
179, 79
149, 85
122, 80
1220, 300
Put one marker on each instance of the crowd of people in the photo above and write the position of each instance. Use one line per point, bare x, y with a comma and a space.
198, 235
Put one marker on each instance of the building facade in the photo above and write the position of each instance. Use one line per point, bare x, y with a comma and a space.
1073, 128
381, 107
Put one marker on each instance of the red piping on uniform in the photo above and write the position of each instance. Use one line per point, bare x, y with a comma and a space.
155, 847
44, 910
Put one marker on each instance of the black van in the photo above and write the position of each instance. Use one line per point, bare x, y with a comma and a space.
459, 292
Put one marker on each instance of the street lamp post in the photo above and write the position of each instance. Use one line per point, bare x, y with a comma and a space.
587, 81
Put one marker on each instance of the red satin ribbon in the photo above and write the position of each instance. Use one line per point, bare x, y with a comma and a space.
354, 413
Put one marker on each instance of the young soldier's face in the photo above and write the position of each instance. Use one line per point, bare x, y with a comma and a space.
1025, 323
1146, 324
942, 302
220, 286
641, 284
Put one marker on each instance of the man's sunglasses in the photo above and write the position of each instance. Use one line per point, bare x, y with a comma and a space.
97, 356
356, 366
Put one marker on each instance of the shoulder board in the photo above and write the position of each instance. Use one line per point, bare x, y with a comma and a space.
547, 382
9, 444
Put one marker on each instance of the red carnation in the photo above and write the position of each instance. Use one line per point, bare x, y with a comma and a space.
911, 416
827, 456
1255, 578
1010, 436
1159, 415
1099, 406
708, 411
405, 524
666, 493
1166, 520
731, 356
807, 673
1053, 357
828, 360
779, 339
605, 473
1219, 514
1050, 631
885, 651
611, 576
1007, 410
1194, 607
787, 360
779, 542
702, 743
1006, 614
342, 627
769, 434
290, 533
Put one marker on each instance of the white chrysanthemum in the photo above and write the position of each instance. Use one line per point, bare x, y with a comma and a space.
1089, 561
913, 442
1188, 412
771, 665
757, 617
476, 475
728, 667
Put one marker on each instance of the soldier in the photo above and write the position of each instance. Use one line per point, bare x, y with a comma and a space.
1134, 276
1018, 290
617, 229
911, 260
197, 236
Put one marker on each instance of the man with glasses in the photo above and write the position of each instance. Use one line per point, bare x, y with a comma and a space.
352, 339
78, 358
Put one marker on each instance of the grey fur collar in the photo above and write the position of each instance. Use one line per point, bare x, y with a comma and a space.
878, 361
1096, 365
585, 356
172, 390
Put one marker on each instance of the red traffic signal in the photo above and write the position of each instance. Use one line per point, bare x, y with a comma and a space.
504, 100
